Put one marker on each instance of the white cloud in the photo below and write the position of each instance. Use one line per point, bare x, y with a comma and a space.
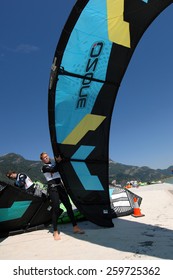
26, 48
22, 48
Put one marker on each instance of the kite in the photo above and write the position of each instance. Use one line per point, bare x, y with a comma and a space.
91, 58
22, 212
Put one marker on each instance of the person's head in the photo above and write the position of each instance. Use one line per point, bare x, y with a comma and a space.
12, 174
45, 157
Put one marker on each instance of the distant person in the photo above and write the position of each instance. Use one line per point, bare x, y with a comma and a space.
57, 192
22, 181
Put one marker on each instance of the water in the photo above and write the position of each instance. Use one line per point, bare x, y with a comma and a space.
169, 180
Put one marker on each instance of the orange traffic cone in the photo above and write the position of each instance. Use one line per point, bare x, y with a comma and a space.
136, 210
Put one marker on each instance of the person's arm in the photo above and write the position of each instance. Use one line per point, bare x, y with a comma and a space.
21, 180
50, 168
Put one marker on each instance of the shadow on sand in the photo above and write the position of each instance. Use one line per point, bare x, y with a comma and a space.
129, 236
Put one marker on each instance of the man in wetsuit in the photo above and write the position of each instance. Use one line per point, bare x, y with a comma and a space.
22, 181
57, 192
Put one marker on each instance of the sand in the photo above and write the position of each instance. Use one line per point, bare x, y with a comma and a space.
144, 238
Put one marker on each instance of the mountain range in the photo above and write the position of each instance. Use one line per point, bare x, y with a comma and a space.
117, 171
123, 173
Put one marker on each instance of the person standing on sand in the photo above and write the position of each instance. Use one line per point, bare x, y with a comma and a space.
57, 192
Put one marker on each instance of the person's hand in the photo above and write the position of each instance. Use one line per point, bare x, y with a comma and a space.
58, 159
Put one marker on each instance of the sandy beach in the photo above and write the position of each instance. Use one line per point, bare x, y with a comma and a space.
144, 238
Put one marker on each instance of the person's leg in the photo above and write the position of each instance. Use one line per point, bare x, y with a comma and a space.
66, 201
54, 197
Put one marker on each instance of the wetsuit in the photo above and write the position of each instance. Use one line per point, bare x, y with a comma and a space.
57, 192
25, 183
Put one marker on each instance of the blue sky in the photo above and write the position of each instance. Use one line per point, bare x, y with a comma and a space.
141, 129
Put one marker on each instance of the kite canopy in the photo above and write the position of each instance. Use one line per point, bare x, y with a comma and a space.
122, 201
90, 60
20, 211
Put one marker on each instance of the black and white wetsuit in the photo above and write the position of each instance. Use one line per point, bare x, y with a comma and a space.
57, 192
25, 183
51, 173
